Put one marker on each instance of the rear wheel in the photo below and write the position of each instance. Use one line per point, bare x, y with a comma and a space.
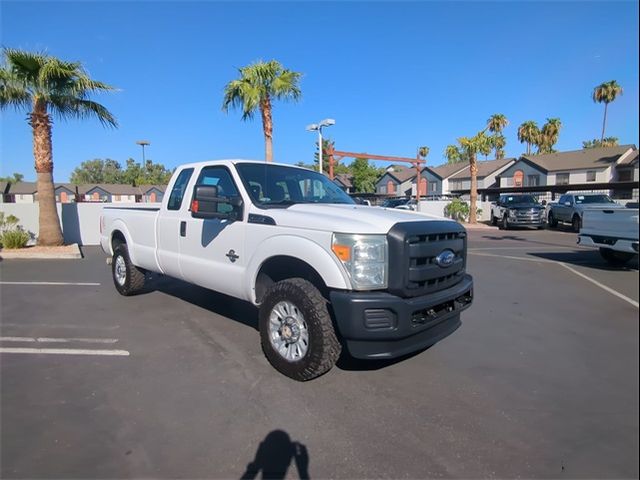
614, 258
553, 223
127, 278
494, 220
296, 330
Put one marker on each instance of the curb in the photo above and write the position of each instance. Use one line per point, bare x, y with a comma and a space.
72, 253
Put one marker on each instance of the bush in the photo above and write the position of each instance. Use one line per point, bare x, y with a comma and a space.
16, 238
12, 235
458, 210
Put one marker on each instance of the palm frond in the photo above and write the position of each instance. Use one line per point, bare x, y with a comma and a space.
13, 92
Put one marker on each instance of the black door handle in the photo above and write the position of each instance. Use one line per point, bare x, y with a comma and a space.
183, 229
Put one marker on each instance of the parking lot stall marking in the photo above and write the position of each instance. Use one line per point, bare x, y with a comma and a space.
76, 284
64, 351
582, 275
58, 340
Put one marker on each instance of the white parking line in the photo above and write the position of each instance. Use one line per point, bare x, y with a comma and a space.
604, 287
538, 260
58, 340
64, 351
79, 284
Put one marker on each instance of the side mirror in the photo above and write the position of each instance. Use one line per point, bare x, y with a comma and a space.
206, 202
543, 203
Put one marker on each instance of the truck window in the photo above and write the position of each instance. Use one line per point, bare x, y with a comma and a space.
219, 177
177, 192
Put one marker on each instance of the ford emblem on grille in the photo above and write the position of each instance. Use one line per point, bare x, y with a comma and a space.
445, 259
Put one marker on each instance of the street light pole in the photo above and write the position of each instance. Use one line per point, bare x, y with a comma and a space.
327, 122
143, 143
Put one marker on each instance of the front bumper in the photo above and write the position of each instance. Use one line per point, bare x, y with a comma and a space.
525, 222
381, 325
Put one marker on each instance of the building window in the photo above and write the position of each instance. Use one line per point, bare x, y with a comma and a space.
391, 188
533, 180
625, 175
433, 186
562, 179
509, 181
591, 176
116, 198
383, 189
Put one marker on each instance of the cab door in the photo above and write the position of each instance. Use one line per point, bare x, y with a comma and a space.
169, 225
212, 251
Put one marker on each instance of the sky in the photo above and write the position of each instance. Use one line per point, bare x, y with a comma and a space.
393, 75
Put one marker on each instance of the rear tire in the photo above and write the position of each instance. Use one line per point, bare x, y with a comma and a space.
294, 311
127, 278
553, 223
614, 258
494, 220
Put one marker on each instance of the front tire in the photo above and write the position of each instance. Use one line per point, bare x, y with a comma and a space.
494, 220
553, 223
576, 223
505, 223
614, 258
296, 331
127, 278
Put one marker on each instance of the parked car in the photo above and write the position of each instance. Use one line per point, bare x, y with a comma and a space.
361, 201
394, 202
409, 205
614, 231
324, 272
571, 206
517, 211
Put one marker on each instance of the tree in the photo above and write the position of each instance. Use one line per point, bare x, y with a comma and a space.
452, 154
258, 85
606, 93
528, 133
496, 124
485, 145
40, 84
549, 135
471, 147
110, 171
595, 143
364, 175
423, 152
16, 178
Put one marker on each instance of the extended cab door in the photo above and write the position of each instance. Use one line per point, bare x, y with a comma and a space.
212, 250
169, 225
563, 210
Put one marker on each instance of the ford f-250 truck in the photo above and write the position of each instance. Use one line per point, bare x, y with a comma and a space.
571, 207
325, 273
614, 231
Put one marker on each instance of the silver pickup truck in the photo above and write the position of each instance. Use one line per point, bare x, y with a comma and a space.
571, 206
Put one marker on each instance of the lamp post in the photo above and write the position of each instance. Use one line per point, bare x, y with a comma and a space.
143, 143
327, 122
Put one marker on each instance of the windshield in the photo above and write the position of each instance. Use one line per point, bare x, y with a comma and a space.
392, 203
580, 199
518, 199
273, 186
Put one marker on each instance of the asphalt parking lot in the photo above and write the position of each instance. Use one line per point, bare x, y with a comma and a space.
541, 380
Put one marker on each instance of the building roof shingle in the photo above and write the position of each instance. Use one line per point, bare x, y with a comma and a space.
23, 188
601, 157
448, 169
112, 188
345, 179
485, 168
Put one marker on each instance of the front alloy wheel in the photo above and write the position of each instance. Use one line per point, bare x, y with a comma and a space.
288, 331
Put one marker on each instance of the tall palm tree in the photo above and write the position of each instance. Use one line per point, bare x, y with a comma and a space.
549, 135
496, 124
45, 85
259, 84
470, 146
606, 93
423, 152
528, 132
452, 154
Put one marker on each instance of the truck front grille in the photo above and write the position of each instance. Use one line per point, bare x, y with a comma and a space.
414, 250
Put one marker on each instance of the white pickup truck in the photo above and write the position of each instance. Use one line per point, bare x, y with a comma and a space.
614, 231
325, 273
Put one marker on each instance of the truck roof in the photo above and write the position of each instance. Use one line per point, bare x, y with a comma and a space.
233, 161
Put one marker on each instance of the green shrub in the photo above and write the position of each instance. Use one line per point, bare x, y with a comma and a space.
458, 210
13, 235
16, 238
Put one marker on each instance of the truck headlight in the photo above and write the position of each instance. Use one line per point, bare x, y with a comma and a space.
364, 257
512, 213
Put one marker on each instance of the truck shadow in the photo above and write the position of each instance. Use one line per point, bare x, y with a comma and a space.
230, 307
348, 363
584, 258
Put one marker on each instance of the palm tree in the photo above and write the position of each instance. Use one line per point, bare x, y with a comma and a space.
258, 85
528, 133
606, 93
423, 152
40, 84
496, 123
452, 154
549, 135
470, 147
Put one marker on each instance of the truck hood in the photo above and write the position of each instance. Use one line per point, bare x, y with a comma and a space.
342, 218
599, 206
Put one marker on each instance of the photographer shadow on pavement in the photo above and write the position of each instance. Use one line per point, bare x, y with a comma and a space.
274, 457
